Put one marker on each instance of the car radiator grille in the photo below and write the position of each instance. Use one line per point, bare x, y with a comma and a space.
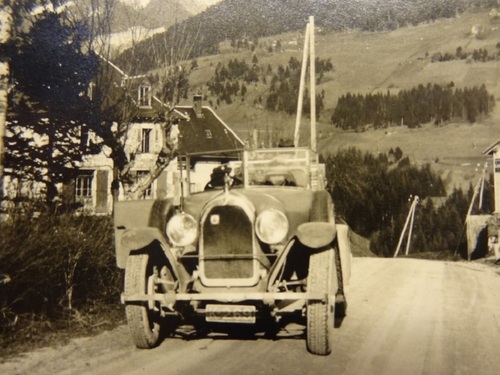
227, 244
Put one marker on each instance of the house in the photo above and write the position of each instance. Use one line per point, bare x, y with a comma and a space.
494, 152
483, 229
204, 141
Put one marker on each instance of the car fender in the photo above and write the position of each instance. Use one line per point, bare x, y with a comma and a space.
140, 238
316, 234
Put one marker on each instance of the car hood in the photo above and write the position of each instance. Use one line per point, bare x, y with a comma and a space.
295, 203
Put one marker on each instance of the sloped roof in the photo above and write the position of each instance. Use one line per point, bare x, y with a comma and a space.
492, 148
206, 133
198, 134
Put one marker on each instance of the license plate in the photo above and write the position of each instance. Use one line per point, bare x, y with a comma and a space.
230, 314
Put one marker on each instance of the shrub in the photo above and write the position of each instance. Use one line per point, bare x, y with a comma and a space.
57, 263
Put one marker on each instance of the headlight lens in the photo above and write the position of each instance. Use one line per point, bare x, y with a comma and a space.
271, 226
182, 229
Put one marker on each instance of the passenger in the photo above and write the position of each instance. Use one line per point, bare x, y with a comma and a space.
279, 180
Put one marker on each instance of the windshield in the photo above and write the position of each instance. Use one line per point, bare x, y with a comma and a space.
278, 167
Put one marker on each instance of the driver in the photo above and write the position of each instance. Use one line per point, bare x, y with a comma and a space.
217, 178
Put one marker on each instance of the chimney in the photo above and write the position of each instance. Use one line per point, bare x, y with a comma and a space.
197, 99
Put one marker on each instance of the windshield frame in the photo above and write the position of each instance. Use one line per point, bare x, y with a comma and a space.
296, 161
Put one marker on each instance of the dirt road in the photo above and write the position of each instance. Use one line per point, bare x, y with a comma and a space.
404, 317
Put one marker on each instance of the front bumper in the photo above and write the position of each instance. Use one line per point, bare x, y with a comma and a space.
267, 298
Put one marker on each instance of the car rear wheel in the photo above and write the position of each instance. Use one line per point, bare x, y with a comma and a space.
320, 313
143, 318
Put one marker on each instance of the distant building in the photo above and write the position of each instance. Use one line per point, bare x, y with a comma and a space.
197, 131
483, 230
494, 151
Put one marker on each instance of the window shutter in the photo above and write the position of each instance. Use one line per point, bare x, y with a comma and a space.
68, 193
157, 146
102, 192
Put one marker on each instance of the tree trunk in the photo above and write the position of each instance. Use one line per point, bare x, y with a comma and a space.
5, 31
164, 158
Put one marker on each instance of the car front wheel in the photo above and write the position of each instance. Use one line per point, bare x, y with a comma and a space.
320, 313
144, 318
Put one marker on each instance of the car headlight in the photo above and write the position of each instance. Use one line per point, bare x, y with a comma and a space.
271, 226
182, 229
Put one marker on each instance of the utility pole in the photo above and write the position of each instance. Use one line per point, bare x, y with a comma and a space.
308, 52
312, 83
409, 223
300, 102
481, 192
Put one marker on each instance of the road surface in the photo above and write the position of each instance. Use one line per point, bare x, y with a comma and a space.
405, 316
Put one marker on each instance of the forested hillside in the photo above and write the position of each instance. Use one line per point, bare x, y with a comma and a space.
237, 19
415, 107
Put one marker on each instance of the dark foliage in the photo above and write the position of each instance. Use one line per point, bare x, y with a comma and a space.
477, 55
374, 195
283, 85
420, 105
225, 84
57, 263
47, 106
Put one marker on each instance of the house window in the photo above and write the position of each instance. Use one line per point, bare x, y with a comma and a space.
148, 193
145, 141
83, 187
145, 96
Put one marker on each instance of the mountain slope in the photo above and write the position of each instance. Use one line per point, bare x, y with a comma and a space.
236, 19
370, 62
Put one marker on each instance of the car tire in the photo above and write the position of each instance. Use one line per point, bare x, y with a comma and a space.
144, 323
320, 313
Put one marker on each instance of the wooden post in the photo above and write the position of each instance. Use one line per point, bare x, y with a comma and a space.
410, 216
312, 84
300, 102
481, 192
413, 208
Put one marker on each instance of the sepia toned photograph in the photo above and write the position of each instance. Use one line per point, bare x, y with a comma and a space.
250, 187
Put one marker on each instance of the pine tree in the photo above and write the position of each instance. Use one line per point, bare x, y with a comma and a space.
48, 105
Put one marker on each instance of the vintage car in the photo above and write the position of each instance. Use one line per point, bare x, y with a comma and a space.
259, 247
